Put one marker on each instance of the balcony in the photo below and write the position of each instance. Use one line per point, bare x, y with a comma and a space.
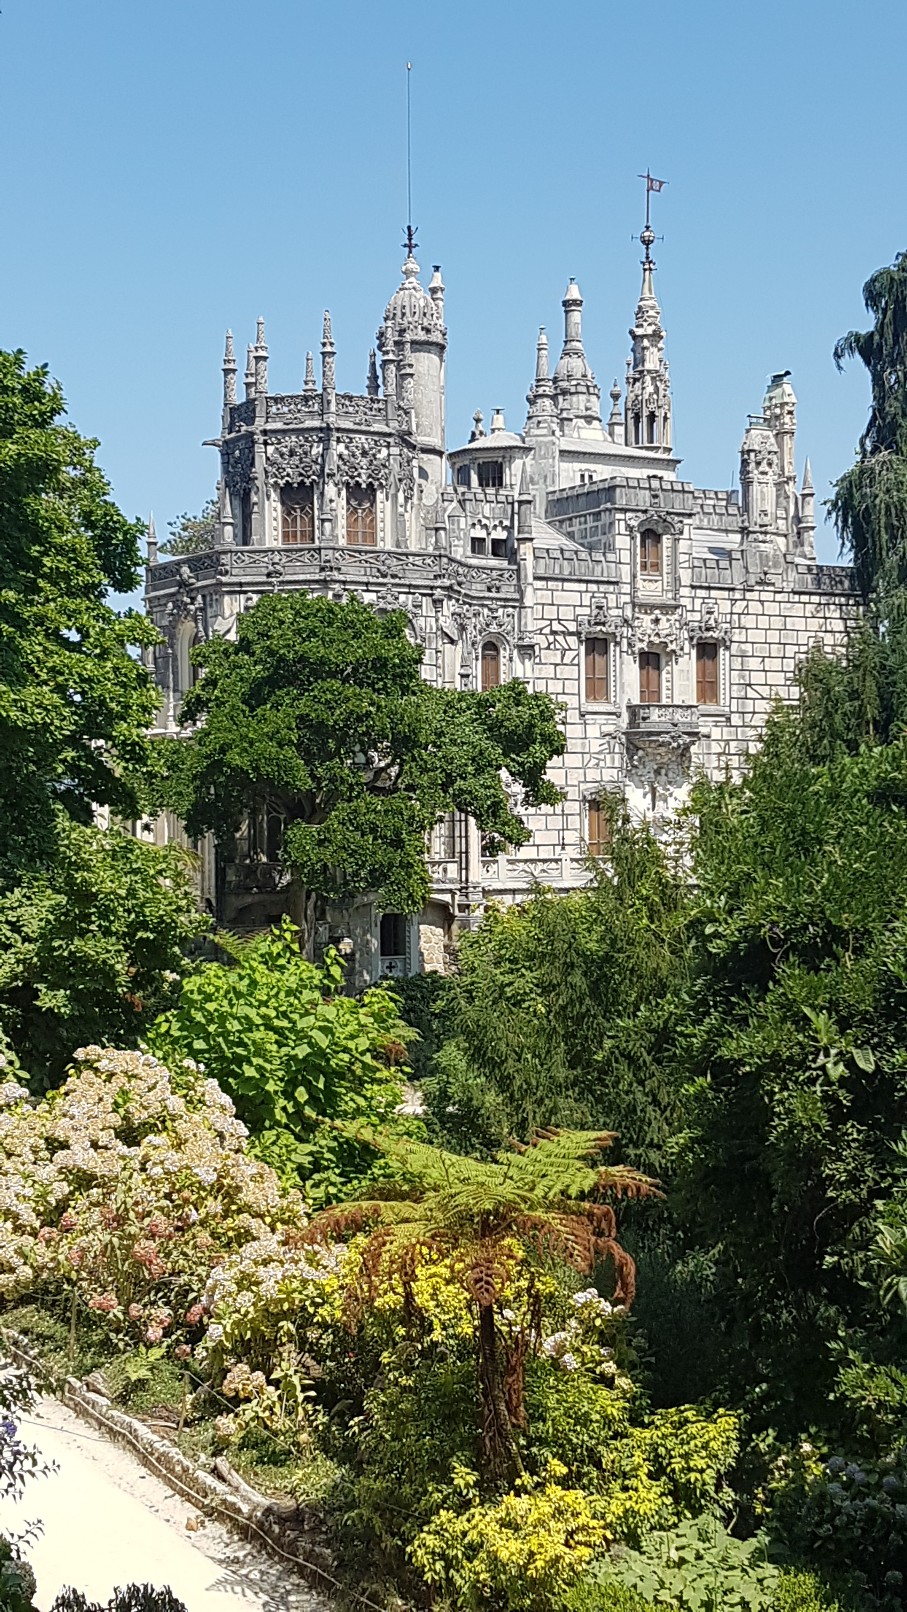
666, 732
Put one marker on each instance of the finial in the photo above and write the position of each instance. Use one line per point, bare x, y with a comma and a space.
229, 368
541, 355
309, 383
327, 358
807, 478
478, 426
250, 371
410, 241
152, 540
371, 385
260, 353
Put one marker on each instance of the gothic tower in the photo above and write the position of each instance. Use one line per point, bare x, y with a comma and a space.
412, 341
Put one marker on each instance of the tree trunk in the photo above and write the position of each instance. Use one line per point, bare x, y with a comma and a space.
498, 1443
302, 908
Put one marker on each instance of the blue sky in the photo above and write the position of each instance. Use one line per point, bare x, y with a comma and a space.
172, 167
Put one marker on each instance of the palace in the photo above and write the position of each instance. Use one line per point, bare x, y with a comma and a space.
664, 618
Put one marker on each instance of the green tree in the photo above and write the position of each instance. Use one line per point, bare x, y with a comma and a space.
74, 703
92, 944
318, 711
193, 534
792, 1040
562, 1009
279, 1035
870, 500
544, 1201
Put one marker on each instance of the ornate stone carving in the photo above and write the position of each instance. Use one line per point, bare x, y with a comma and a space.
362, 410
293, 409
601, 622
294, 459
187, 605
711, 625
475, 623
364, 459
242, 415
659, 628
240, 456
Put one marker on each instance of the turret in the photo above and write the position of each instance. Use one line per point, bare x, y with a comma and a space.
414, 323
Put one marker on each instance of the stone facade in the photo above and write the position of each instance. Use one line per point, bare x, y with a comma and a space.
665, 619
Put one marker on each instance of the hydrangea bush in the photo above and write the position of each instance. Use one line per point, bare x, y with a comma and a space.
130, 1183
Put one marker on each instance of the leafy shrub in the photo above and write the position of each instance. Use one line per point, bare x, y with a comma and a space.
279, 1035
699, 1567
522, 1552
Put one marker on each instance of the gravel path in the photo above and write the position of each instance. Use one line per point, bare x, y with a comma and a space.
106, 1521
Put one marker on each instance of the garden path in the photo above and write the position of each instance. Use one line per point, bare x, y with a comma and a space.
107, 1522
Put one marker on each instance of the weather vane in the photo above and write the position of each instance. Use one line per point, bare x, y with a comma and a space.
648, 236
410, 242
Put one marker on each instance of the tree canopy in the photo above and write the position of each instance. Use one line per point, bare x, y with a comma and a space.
318, 711
192, 534
74, 703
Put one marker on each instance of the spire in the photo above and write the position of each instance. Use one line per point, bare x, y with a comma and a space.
806, 521
250, 371
615, 418
309, 382
152, 540
261, 360
541, 419
578, 397
328, 351
648, 401
229, 369
371, 385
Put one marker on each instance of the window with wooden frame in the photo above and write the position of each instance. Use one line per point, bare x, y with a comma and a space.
649, 677
598, 670
361, 515
490, 472
297, 513
491, 665
650, 554
708, 673
598, 828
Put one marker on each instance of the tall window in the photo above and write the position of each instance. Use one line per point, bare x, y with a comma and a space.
491, 665
649, 678
490, 472
297, 513
361, 519
392, 943
650, 554
247, 516
598, 689
598, 828
707, 677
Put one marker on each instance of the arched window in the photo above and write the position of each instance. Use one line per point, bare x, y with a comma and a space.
361, 517
491, 665
195, 671
297, 513
650, 554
